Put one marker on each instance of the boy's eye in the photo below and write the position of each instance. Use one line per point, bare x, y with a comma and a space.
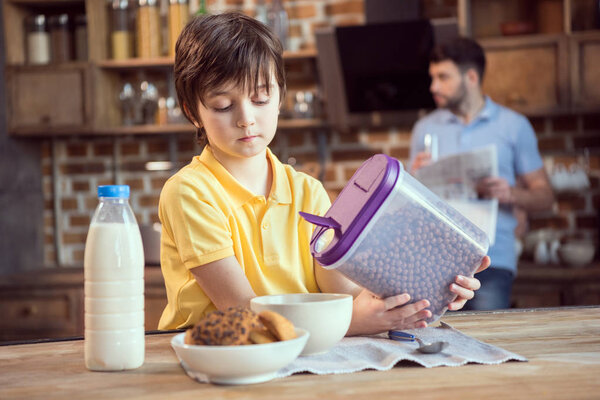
222, 109
262, 101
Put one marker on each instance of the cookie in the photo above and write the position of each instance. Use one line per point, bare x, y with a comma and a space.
261, 336
277, 324
231, 327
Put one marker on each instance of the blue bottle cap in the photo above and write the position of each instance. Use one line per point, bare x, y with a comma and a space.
121, 191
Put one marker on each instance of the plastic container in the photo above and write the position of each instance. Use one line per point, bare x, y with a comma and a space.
38, 40
392, 235
114, 285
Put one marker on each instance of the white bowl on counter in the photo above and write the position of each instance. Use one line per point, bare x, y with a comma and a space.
577, 253
326, 316
238, 365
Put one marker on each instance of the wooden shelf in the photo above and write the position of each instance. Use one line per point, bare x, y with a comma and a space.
145, 130
302, 124
162, 62
47, 3
283, 124
159, 62
300, 54
530, 271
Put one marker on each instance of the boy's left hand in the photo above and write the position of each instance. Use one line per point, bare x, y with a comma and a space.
465, 287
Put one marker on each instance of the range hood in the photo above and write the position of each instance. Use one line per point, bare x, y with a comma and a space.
377, 75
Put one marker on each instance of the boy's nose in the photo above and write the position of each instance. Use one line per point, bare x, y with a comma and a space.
245, 117
246, 122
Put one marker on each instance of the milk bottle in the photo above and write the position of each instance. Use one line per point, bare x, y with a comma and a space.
114, 285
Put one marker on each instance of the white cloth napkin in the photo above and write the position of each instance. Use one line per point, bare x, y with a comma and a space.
354, 354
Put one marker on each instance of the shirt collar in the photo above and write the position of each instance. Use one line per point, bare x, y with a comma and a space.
489, 109
238, 194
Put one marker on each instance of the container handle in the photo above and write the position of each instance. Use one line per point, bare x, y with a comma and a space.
326, 222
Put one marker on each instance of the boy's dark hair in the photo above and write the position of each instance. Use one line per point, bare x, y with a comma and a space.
213, 50
464, 52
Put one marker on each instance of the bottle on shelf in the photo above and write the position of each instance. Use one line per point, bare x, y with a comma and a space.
201, 8
148, 32
114, 285
121, 34
60, 38
277, 19
81, 45
179, 14
261, 12
38, 40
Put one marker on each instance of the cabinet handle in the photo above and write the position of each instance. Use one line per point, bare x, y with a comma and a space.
516, 99
29, 310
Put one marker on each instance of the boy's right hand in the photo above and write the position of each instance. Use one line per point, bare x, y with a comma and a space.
421, 160
372, 315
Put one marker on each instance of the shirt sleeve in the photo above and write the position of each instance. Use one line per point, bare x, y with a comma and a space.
199, 229
527, 155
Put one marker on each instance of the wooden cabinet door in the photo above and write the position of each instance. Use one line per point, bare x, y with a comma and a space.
48, 99
584, 49
529, 73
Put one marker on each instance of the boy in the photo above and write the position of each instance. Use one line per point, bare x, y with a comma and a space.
231, 228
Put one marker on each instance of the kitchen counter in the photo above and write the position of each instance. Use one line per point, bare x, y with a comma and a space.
562, 345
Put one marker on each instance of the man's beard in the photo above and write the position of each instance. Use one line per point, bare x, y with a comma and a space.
456, 101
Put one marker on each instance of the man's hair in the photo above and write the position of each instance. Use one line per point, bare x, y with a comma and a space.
214, 50
464, 52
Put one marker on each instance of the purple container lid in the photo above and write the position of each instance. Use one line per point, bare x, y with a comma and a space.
354, 207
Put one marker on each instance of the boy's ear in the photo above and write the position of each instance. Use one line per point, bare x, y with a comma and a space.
187, 112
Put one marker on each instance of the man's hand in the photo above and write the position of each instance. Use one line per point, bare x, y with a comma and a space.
421, 160
465, 287
495, 188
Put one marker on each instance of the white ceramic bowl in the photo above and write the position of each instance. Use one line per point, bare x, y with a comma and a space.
577, 253
238, 365
326, 316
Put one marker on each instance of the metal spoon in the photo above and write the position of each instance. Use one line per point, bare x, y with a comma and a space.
431, 348
425, 348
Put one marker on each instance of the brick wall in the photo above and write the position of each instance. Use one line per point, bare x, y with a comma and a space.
73, 167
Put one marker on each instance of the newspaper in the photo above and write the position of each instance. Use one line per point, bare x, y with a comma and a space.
454, 178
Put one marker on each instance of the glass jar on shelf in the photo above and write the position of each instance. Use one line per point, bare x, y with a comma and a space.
38, 40
179, 15
81, 45
121, 36
148, 29
277, 20
60, 38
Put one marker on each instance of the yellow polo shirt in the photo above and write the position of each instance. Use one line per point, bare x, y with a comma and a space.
207, 215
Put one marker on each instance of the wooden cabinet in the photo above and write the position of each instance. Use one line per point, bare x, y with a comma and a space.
555, 285
528, 74
49, 304
82, 97
584, 49
542, 54
49, 99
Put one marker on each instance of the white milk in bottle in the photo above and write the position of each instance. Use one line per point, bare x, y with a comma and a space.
114, 285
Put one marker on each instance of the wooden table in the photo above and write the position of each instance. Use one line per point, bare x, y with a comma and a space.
563, 347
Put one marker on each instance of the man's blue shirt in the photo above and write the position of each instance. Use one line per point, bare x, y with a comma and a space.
517, 150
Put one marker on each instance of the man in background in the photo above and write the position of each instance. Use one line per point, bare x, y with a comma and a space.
466, 119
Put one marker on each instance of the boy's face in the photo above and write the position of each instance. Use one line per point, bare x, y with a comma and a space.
239, 124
